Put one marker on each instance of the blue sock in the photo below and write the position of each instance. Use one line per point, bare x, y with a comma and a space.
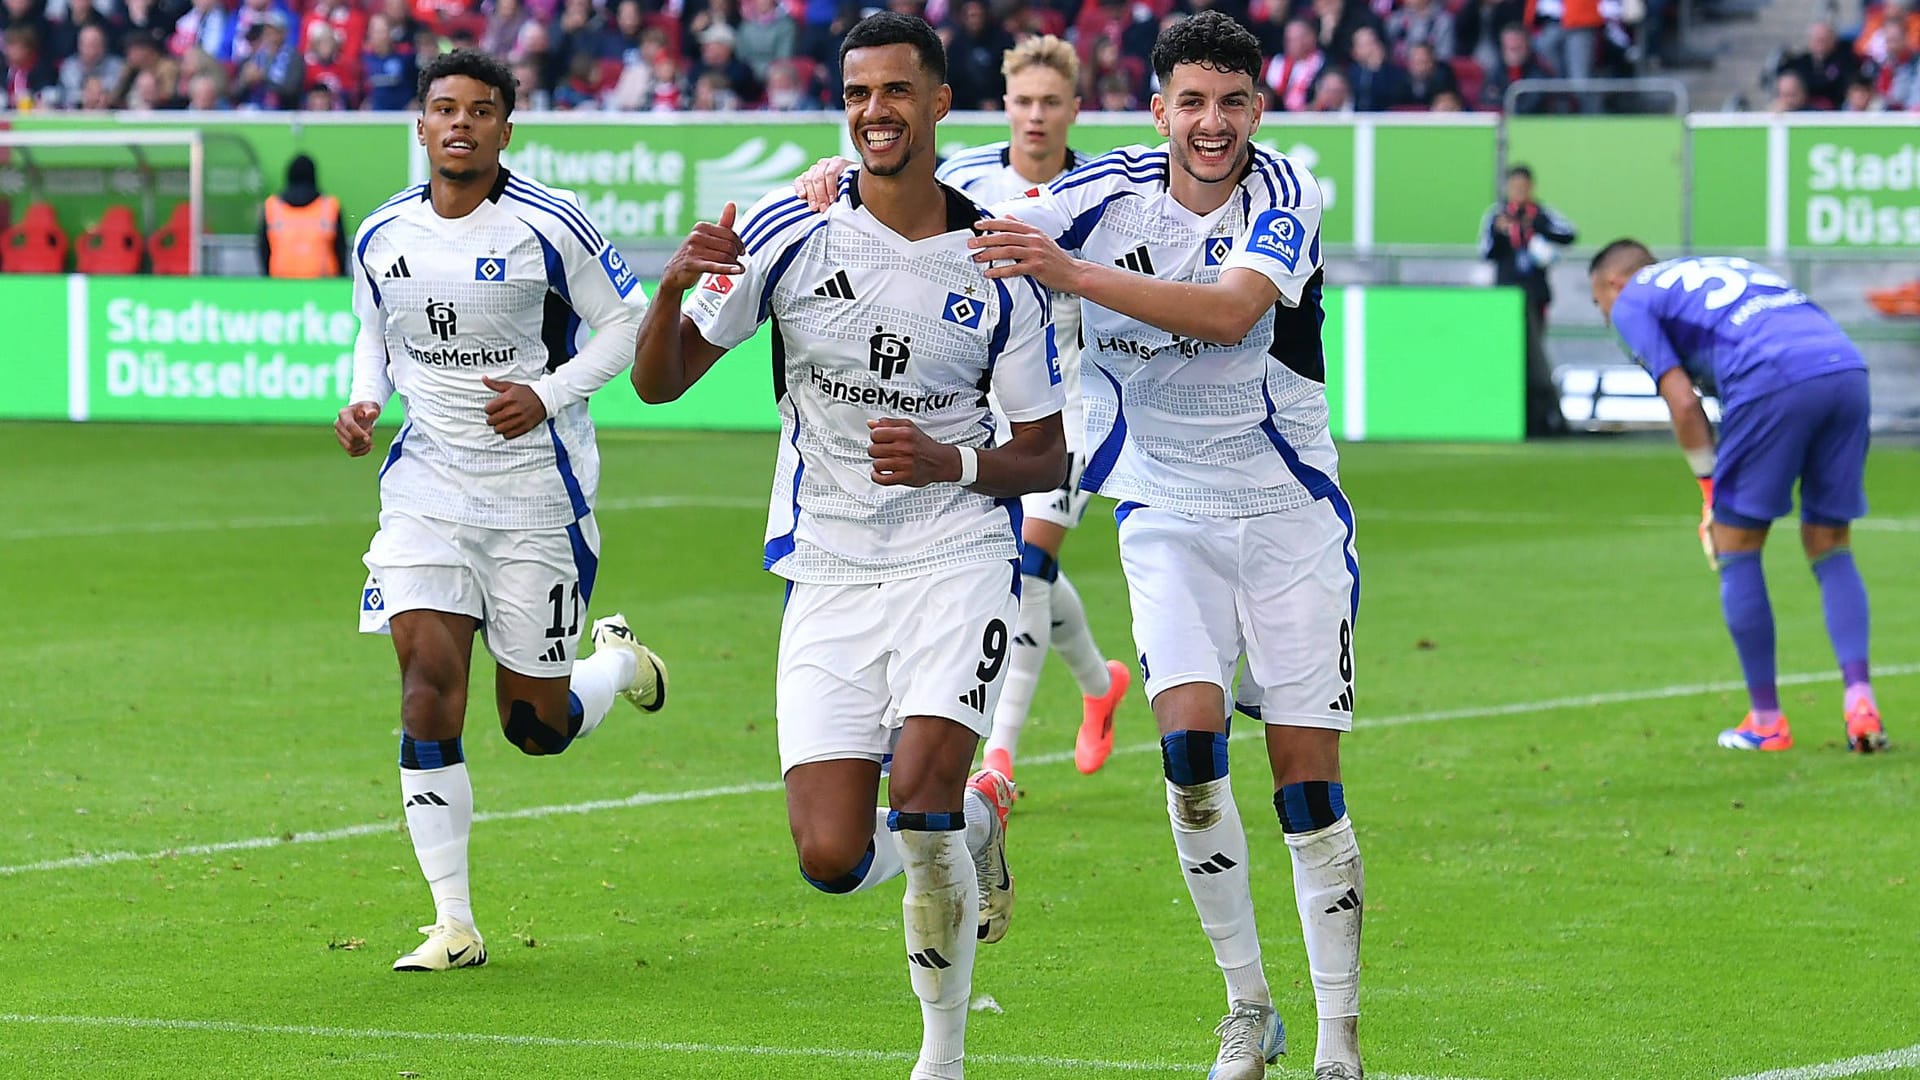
1310, 805
1743, 599
430, 753
1844, 596
1193, 757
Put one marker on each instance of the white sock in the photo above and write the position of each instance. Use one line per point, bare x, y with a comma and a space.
887, 863
1208, 836
439, 807
595, 680
1030, 635
941, 910
1073, 640
1331, 890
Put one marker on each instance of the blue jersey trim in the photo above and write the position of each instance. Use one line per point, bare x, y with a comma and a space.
586, 564
569, 215
564, 463
782, 546
1320, 486
780, 270
360, 256
770, 221
393, 452
1100, 465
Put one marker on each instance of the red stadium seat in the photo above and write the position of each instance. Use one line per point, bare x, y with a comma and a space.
1466, 71
36, 245
171, 245
112, 247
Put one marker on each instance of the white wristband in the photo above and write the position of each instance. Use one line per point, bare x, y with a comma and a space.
969, 465
1701, 461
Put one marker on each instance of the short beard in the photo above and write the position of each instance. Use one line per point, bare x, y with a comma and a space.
1235, 167
458, 176
893, 170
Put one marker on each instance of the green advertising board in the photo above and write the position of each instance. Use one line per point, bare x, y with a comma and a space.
1854, 187
1402, 363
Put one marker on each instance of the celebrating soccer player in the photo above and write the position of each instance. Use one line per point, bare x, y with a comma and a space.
895, 518
473, 292
1793, 408
1041, 104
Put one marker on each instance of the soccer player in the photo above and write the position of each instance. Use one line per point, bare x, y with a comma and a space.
1793, 407
1041, 74
473, 290
1200, 279
894, 517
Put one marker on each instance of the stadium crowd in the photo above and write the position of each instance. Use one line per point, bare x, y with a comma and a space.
779, 55
1874, 68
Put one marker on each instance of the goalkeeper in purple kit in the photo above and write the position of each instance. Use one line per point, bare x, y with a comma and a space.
1794, 409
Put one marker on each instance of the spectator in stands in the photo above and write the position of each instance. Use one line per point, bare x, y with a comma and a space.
141, 51
208, 26
63, 33
1418, 22
301, 231
1427, 77
1863, 96
766, 34
1332, 93
530, 85
143, 93
1789, 93
976, 46
1334, 24
1292, 73
96, 95
90, 60
580, 90
698, 17
205, 93
347, 25
1114, 91
581, 31
716, 55
167, 84
143, 20
402, 26
1899, 77
326, 65
1872, 42
30, 78
1516, 62
785, 90
669, 91
504, 20
273, 76
1567, 35
1378, 85
1521, 237
1824, 69
1449, 101
28, 13
389, 75
629, 24
249, 14
1477, 29
713, 93
322, 97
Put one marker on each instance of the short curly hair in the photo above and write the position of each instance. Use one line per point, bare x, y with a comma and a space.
475, 65
893, 28
1210, 39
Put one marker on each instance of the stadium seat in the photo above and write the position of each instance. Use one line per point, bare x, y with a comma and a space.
1466, 72
112, 247
171, 245
36, 245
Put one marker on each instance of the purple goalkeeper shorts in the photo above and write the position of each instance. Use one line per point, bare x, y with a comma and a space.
1814, 432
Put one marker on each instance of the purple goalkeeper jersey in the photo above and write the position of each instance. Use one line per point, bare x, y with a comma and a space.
1737, 328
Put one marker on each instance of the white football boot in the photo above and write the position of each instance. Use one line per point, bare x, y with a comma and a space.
649, 690
446, 947
990, 862
1251, 1038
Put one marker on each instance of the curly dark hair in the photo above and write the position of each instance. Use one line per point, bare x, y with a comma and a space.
893, 28
1210, 39
474, 65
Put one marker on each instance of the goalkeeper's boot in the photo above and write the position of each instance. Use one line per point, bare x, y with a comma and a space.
1095, 741
649, 690
990, 862
1251, 1038
1753, 735
1864, 733
448, 946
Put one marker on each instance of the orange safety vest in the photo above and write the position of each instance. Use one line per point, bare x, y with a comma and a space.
300, 238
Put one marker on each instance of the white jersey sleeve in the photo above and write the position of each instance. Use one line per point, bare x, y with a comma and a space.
607, 298
727, 310
1026, 362
1282, 243
371, 380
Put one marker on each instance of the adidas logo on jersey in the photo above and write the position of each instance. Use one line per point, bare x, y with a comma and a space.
426, 798
1136, 260
1217, 863
836, 287
1343, 703
398, 269
555, 654
1349, 902
975, 699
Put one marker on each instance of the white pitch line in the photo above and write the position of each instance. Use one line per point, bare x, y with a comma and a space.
301, 521
1637, 521
229, 1027
647, 798
1854, 1066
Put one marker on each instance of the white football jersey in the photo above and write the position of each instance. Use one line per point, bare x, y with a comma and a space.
509, 291
1178, 423
869, 325
986, 175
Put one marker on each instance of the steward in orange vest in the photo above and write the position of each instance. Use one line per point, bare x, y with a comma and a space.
301, 232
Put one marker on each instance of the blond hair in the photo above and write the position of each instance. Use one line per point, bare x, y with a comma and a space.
1047, 51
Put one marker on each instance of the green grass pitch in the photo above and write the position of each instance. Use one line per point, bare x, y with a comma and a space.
203, 870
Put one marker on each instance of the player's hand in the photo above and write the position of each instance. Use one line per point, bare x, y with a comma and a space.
1706, 524
904, 455
820, 185
1023, 250
354, 427
711, 248
515, 408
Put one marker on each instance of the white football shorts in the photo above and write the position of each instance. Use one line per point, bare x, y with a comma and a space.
856, 660
1279, 589
529, 588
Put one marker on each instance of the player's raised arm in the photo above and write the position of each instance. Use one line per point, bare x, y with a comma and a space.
672, 353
